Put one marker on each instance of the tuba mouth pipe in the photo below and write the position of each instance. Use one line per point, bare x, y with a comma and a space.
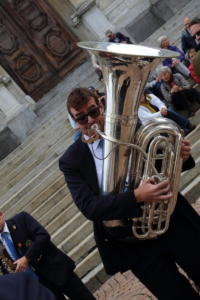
125, 69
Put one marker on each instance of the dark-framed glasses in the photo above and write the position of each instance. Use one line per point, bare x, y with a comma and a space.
93, 113
197, 33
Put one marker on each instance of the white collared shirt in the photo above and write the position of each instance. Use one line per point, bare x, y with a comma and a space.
97, 152
5, 229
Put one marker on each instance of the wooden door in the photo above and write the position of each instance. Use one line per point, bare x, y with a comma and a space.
36, 48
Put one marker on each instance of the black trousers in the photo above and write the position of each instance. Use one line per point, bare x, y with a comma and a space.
74, 289
183, 99
157, 267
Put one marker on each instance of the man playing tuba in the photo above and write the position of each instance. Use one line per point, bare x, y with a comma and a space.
153, 261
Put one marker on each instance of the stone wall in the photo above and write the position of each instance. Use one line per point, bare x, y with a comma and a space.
136, 18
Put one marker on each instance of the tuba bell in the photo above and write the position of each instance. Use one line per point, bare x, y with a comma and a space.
132, 154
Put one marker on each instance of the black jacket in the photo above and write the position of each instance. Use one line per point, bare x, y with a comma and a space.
78, 167
32, 240
23, 286
188, 42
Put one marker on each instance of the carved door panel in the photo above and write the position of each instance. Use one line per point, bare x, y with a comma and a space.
35, 47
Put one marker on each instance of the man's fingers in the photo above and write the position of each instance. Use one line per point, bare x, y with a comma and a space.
162, 185
162, 198
164, 190
19, 267
166, 197
186, 142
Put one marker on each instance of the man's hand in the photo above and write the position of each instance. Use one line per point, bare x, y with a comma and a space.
150, 192
176, 89
21, 264
164, 111
175, 62
185, 149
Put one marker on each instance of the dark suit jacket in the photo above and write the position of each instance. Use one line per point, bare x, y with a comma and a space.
23, 286
32, 240
79, 170
187, 41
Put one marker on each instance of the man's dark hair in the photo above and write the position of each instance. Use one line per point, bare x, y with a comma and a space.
194, 21
79, 97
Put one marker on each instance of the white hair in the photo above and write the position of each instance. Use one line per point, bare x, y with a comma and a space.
161, 39
164, 69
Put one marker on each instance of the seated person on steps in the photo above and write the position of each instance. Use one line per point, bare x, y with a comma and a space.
177, 92
152, 107
26, 245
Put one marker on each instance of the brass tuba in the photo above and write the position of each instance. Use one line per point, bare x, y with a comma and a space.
132, 154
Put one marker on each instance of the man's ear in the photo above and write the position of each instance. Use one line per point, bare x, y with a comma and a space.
101, 107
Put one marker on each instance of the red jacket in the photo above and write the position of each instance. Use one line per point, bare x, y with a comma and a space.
193, 74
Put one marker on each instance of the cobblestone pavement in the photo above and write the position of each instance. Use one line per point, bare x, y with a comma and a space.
126, 286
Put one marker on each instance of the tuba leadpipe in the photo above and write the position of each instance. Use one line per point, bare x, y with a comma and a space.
132, 154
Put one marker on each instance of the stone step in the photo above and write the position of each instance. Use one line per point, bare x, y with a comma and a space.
187, 182
21, 170
88, 263
67, 228
53, 206
31, 141
189, 188
192, 190
49, 206
76, 237
196, 155
81, 251
194, 134
95, 278
42, 193
55, 117
14, 195
60, 220
37, 194
17, 171
52, 156
41, 141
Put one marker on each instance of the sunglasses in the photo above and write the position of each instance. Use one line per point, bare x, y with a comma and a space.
93, 113
197, 33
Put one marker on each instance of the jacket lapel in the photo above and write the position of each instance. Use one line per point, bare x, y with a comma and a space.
88, 167
15, 234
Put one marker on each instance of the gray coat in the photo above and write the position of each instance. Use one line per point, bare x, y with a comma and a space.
165, 87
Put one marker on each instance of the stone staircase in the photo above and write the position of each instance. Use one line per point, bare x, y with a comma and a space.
30, 179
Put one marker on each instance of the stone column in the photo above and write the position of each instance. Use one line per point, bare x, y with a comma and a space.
16, 115
87, 13
8, 103
96, 22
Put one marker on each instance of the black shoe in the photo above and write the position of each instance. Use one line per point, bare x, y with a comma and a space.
190, 126
191, 114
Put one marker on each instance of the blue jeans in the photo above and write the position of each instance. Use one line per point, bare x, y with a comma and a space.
183, 122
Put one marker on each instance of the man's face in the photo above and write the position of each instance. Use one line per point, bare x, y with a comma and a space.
195, 31
2, 221
186, 23
166, 76
165, 43
110, 35
89, 113
192, 54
